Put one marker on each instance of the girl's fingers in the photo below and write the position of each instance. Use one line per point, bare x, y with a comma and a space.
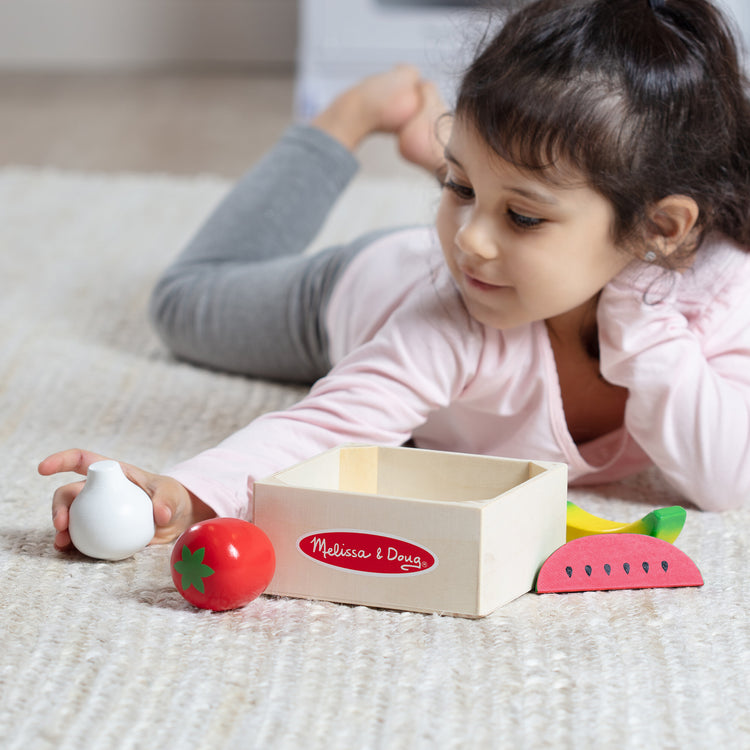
61, 502
144, 479
175, 509
171, 504
73, 459
62, 540
79, 461
164, 511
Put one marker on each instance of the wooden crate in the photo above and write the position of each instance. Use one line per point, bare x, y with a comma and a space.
411, 529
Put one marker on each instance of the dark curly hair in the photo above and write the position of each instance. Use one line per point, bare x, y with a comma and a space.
644, 98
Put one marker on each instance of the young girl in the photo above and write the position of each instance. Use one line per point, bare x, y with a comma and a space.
583, 297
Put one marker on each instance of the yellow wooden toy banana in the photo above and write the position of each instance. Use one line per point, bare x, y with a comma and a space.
664, 523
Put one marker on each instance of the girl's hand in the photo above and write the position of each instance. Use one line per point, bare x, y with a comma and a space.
175, 508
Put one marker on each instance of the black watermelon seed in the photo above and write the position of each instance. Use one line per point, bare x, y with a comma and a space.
569, 571
645, 567
664, 565
588, 570
626, 568
607, 568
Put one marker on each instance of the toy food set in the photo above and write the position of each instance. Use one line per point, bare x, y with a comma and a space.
111, 518
616, 561
399, 528
664, 523
222, 563
404, 528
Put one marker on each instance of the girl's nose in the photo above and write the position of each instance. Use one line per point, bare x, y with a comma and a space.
475, 237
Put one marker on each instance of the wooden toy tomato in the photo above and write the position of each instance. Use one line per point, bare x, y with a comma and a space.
222, 563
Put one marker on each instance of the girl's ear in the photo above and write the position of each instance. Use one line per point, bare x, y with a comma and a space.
673, 220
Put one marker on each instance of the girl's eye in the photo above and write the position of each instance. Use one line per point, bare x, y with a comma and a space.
462, 192
524, 222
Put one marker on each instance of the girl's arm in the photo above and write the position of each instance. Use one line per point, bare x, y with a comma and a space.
420, 361
686, 365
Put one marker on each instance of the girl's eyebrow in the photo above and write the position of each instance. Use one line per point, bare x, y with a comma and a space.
524, 192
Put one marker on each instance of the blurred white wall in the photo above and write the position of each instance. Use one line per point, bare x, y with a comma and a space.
128, 34
740, 9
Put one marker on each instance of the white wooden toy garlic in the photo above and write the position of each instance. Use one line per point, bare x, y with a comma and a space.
111, 518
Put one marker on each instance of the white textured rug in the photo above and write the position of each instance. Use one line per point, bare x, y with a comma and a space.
108, 655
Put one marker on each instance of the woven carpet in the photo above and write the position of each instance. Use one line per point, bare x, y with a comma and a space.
109, 655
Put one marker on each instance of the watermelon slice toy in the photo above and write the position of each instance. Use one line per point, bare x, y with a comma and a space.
603, 562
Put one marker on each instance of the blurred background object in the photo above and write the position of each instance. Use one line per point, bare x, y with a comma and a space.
81, 35
189, 86
341, 41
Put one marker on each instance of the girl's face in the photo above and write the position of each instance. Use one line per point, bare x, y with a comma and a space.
521, 249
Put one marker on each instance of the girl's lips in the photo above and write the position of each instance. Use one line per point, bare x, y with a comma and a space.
481, 285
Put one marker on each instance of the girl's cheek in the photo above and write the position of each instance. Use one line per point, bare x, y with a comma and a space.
450, 219
443, 211
445, 226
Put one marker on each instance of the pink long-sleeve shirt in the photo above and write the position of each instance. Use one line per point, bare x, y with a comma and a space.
409, 362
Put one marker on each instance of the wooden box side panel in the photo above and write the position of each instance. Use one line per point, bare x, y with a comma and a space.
441, 476
321, 472
410, 473
519, 532
449, 532
358, 469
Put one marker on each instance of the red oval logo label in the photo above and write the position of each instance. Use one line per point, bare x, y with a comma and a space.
367, 553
